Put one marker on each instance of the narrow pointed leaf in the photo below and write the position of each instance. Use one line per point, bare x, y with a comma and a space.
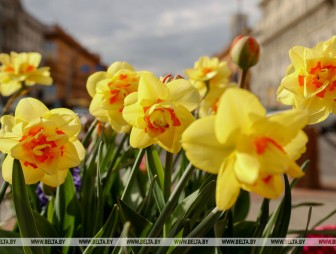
24, 213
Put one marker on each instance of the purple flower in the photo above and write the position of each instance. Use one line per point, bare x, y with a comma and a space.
44, 199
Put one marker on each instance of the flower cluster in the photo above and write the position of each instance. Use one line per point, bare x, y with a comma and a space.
211, 77
247, 149
44, 141
159, 113
17, 69
108, 91
311, 80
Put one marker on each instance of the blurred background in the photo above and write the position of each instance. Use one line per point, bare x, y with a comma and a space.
79, 37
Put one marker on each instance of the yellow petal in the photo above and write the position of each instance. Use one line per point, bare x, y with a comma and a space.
247, 164
56, 179
181, 92
79, 148
8, 138
116, 66
201, 146
290, 122
97, 110
151, 88
297, 55
7, 168
29, 109
297, 146
235, 110
117, 121
93, 81
227, 188
31, 175
140, 139
170, 140
66, 120
133, 113
272, 188
70, 157
10, 87
284, 96
294, 170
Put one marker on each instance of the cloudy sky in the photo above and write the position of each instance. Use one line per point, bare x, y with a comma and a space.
155, 35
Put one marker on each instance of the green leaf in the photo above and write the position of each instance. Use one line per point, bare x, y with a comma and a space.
310, 204
242, 206
282, 222
89, 133
140, 225
324, 218
3, 190
24, 213
155, 164
147, 204
88, 191
67, 210
262, 218
99, 194
157, 191
192, 206
126, 196
124, 234
280, 219
299, 249
107, 231
45, 228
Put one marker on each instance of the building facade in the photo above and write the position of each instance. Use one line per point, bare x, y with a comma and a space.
19, 31
70, 66
285, 24
70, 63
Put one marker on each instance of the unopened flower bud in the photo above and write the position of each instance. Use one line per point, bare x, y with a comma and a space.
245, 51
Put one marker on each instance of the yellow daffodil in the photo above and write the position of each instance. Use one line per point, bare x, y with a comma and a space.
209, 105
246, 148
159, 113
310, 82
44, 141
17, 69
109, 90
208, 72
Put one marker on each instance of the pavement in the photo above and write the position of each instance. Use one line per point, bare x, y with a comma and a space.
323, 190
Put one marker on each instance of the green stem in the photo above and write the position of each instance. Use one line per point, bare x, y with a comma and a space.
3, 190
133, 174
114, 159
168, 175
23, 90
166, 212
242, 83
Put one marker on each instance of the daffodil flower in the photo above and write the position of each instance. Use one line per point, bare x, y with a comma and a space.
208, 72
209, 105
246, 148
159, 113
19, 68
44, 141
109, 90
310, 82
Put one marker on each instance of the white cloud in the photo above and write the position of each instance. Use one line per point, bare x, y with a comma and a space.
157, 35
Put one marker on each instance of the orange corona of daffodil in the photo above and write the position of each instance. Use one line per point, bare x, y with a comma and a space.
19, 68
44, 141
109, 90
208, 70
310, 82
159, 113
246, 148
